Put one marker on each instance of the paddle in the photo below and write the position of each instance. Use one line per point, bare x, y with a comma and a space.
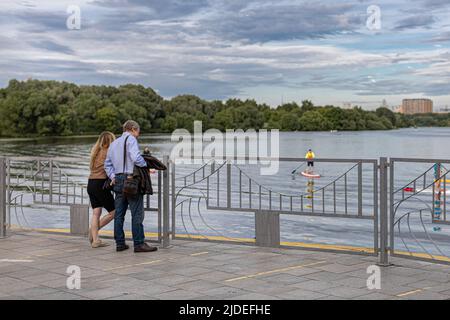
295, 171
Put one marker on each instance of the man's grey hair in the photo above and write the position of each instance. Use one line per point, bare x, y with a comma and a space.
130, 125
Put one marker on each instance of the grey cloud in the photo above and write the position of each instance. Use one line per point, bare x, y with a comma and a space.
253, 21
230, 5
421, 20
285, 22
42, 21
443, 37
50, 69
363, 86
159, 9
207, 89
436, 3
52, 46
437, 89
28, 4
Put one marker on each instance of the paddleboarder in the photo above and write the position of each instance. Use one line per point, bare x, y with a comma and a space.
310, 158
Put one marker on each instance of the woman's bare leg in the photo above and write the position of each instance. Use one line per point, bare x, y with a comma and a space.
95, 223
106, 219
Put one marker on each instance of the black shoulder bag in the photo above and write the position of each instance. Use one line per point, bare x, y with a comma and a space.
130, 184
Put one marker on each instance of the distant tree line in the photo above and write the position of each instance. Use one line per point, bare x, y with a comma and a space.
34, 107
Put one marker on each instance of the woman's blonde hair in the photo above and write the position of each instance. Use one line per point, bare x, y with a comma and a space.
104, 141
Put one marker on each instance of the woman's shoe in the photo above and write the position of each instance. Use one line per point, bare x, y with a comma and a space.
99, 244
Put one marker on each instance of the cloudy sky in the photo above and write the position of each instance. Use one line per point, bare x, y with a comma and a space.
271, 51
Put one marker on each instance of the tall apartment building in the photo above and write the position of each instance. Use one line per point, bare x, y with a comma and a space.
413, 106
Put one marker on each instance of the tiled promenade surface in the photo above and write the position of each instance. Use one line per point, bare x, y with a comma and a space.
33, 266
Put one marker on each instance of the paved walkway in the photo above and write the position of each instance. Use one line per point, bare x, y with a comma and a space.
33, 266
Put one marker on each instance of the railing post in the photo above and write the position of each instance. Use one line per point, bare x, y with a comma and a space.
51, 182
8, 193
360, 190
391, 205
2, 197
160, 196
173, 197
228, 185
384, 221
38, 169
166, 199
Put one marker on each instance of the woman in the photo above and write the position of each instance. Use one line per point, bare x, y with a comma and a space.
100, 197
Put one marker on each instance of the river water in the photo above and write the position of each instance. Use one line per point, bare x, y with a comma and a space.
404, 143
421, 142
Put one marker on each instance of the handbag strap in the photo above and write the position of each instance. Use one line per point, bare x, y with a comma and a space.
125, 155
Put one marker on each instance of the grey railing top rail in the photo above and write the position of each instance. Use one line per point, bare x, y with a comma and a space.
421, 160
57, 159
283, 159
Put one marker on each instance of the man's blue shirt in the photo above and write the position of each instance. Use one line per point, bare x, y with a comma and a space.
114, 159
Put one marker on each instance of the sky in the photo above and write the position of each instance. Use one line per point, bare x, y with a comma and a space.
330, 52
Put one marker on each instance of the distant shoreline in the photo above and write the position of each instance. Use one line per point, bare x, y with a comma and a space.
150, 134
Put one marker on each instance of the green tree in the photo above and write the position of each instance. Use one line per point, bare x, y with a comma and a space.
314, 121
108, 119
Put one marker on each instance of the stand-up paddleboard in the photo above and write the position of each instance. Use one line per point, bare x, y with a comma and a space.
311, 175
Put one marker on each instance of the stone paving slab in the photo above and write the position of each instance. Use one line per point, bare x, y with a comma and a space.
33, 266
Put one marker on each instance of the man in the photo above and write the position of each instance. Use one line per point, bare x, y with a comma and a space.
118, 171
310, 158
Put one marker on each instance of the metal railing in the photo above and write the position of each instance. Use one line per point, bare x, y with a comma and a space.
407, 207
3, 200
418, 210
224, 186
45, 182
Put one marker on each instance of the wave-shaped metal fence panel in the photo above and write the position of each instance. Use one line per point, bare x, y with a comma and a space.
47, 182
419, 222
233, 186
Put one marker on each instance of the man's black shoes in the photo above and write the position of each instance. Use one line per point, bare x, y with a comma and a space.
122, 248
145, 248
142, 248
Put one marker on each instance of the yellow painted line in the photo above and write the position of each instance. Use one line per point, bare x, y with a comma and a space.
289, 244
102, 232
127, 233
275, 271
328, 247
199, 254
423, 256
133, 265
215, 238
409, 293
